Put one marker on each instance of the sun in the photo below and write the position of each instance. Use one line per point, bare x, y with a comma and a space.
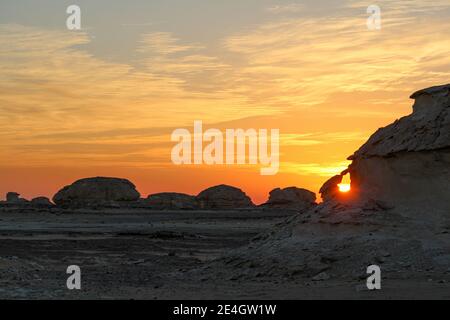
344, 187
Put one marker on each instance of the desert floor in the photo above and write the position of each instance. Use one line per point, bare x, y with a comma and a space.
158, 255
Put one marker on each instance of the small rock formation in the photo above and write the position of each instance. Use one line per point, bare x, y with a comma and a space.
99, 191
223, 197
291, 198
41, 202
172, 201
14, 198
330, 189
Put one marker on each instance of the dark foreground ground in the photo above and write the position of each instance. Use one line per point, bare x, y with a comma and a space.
157, 255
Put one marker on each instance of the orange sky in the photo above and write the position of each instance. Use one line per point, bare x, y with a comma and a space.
69, 109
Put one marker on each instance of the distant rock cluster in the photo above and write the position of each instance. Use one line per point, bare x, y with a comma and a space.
13, 199
105, 192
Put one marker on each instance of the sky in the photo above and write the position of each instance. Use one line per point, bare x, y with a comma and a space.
104, 100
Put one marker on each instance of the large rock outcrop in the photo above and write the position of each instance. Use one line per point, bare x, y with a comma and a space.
396, 214
223, 197
99, 191
408, 162
291, 198
171, 201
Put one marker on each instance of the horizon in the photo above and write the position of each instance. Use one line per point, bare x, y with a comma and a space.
104, 100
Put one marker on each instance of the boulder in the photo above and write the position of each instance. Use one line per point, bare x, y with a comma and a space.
291, 198
223, 197
41, 202
99, 191
172, 201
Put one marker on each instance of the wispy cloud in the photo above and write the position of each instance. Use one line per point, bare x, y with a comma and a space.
315, 169
307, 60
287, 8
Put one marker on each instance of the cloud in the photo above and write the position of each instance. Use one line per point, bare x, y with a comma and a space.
163, 43
307, 59
288, 8
310, 139
315, 169
51, 89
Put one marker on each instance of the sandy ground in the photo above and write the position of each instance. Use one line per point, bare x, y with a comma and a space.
159, 255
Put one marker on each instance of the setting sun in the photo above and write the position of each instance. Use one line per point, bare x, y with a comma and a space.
344, 187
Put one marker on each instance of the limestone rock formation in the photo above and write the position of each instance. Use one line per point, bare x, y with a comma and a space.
396, 216
41, 202
408, 162
172, 201
99, 191
291, 198
223, 197
14, 198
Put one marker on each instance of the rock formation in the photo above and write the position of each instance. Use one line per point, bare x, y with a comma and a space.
291, 198
172, 201
408, 162
41, 202
14, 198
99, 191
330, 189
396, 214
223, 197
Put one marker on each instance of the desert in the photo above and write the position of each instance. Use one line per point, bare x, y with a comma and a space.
220, 245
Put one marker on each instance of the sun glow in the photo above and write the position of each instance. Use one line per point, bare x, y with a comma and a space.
344, 187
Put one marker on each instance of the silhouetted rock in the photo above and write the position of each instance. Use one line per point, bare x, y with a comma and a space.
99, 191
41, 202
172, 201
291, 198
14, 198
223, 197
